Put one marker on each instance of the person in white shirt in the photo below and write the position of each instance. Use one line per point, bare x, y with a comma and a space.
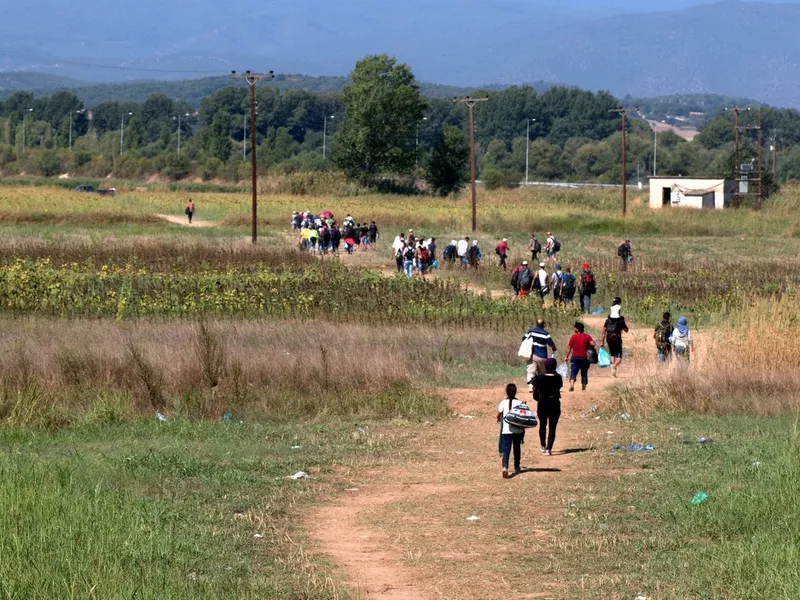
398, 246
510, 436
555, 281
550, 247
541, 279
462, 249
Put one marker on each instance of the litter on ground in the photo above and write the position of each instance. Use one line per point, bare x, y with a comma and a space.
633, 448
473, 518
298, 475
699, 498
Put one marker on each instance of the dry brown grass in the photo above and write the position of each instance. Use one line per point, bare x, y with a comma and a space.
749, 367
56, 372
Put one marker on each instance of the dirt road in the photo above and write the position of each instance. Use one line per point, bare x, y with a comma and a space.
404, 533
184, 221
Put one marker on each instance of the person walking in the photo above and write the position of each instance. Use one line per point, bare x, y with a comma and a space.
588, 287
534, 246
555, 284
510, 436
408, 260
502, 251
474, 255
462, 250
551, 247
567, 287
577, 346
450, 252
661, 335
525, 279
190, 210
542, 340
612, 332
625, 253
547, 393
373, 234
515, 277
682, 342
542, 286
398, 246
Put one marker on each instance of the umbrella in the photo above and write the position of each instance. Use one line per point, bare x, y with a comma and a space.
326, 214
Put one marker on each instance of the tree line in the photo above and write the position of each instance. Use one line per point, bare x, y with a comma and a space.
381, 126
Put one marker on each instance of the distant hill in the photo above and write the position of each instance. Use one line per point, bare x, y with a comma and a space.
687, 110
657, 48
193, 90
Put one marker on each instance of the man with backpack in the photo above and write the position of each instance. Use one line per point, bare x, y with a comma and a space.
555, 284
552, 247
542, 287
661, 335
624, 252
450, 252
408, 260
534, 247
525, 280
502, 251
474, 255
567, 287
588, 288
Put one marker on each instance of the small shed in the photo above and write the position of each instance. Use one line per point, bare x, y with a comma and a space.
692, 193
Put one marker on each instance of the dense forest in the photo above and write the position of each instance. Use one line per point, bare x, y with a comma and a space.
560, 133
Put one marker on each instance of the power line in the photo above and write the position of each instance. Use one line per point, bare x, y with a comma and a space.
77, 63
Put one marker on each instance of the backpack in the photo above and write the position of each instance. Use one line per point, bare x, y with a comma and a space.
425, 254
612, 331
622, 251
662, 336
556, 245
497, 250
568, 284
408, 253
589, 285
515, 279
525, 279
537, 247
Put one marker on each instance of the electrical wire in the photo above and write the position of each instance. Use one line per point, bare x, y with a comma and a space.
23, 56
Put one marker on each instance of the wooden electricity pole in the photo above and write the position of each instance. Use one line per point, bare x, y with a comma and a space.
470, 102
252, 79
624, 113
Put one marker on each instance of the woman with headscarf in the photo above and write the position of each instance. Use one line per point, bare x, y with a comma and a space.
681, 340
547, 393
612, 331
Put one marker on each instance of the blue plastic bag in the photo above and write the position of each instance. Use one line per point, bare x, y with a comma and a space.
603, 359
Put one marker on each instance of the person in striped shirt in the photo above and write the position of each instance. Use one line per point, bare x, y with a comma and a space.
541, 342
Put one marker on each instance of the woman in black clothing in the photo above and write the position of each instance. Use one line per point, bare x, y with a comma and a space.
547, 393
612, 333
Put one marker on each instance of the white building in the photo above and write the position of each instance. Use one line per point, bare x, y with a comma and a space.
693, 193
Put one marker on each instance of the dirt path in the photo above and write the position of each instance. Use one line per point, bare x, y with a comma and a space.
184, 221
404, 533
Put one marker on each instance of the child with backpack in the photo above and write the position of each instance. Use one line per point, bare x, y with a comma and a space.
681, 340
661, 335
510, 436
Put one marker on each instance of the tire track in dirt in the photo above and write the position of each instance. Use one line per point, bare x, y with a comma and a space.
404, 534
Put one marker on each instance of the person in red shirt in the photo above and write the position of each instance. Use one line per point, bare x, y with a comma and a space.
502, 252
578, 343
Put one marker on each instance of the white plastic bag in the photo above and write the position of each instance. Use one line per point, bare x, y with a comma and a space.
526, 348
563, 370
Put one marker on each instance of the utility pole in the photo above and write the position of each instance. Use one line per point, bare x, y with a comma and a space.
527, 146
244, 139
252, 79
624, 113
760, 170
470, 102
179, 129
774, 149
737, 167
24, 126
122, 130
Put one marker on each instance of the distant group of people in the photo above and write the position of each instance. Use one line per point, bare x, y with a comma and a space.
322, 234
562, 284
413, 254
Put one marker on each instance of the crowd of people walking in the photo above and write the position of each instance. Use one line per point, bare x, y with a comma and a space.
322, 234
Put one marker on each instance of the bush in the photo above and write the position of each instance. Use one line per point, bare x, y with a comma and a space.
176, 167
210, 168
495, 179
49, 163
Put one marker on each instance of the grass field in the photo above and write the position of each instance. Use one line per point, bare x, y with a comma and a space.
109, 314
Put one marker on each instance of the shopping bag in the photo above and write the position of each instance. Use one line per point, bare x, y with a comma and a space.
526, 348
603, 359
563, 370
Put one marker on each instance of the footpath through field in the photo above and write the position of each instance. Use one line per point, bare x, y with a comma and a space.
175, 220
404, 533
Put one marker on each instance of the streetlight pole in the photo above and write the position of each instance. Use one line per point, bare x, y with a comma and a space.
655, 150
470, 102
527, 146
24, 127
244, 139
179, 129
416, 145
325, 134
122, 131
